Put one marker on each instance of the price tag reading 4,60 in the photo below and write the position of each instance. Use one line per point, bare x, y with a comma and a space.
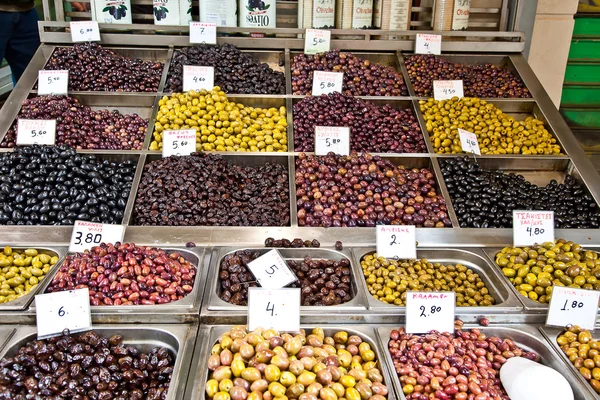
327, 82
426, 311
203, 32
332, 139
396, 241
444, 90
317, 41
85, 31
179, 143
89, 234
570, 306
530, 227
53, 82
468, 142
36, 131
428, 44
198, 78
62, 312
274, 308
271, 271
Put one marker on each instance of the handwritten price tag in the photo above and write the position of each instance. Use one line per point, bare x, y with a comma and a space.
274, 308
530, 227
327, 82
396, 241
428, 44
271, 271
427, 311
53, 82
203, 32
179, 143
89, 234
57, 313
198, 78
468, 142
332, 138
570, 306
317, 41
444, 90
36, 131
85, 31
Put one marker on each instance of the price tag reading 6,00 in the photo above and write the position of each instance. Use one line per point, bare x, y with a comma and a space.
85, 31
60, 312
426, 311
89, 234
571, 306
271, 271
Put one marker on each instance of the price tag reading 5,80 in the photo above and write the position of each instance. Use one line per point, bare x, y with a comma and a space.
61, 312
570, 306
334, 139
396, 241
274, 308
89, 234
271, 271
198, 78
428, 44
317, 41
179, 143
530, 227
327, 82
426, 311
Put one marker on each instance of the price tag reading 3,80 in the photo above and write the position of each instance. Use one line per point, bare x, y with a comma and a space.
332, 139
327, 82
428, 44
531, 227
426, 311
570, 306
89, 234
317, 41
396, 241
203, 32
85, 31
36, 131
62, 312
271, 271
179, 143
53, 82
468, 142
444, 90
274, 308
198, 78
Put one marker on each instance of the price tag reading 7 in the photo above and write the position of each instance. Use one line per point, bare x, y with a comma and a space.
203, 32
426, 311
571, 306
274, 308
61, 312
271, 271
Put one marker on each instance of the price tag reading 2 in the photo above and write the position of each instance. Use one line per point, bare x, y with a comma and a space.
85, 31
57, 313
530, 227
332, 139
570, 306
36, 131
53, 82
203, 32
271, 271
327, 82
89, 234
198, 78
317, 41
396, 241
468, 142
444, 90
428, 44
179, 143
427, 311
274, 308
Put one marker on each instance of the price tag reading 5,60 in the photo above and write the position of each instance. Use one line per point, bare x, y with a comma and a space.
85, 31
570, 306
274, 308
327, 82
426, 311
89, 234
271, 271
198, 78
36, 131
179, 143
396, 241
62, 312
530, 227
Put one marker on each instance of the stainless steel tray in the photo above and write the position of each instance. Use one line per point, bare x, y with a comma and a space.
199, 372
525, 336
6, 332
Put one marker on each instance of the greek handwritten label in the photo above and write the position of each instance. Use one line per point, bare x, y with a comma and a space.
444, 90
317, 41
203, 32
271, 271
86, 235
427, 311
179, 142
274, 308
531, 227
396, 241
327, 82
198, 78
426, 43
53, 81
36, 131
468, 142
85, 31
572, 306
334, 139
60, 312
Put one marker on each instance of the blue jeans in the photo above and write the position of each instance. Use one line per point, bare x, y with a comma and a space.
19, 39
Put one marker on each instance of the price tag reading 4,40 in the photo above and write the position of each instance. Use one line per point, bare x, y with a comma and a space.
427, 311
203, 32
327, 82
36, 131
570, 306
530, 227
468, 142
271, 271
396, 241
62, 312
198, 78
274, 308
332, 139
89, 234
179, 143
444, 90
428, 44
85, 31
53, 82
317, 41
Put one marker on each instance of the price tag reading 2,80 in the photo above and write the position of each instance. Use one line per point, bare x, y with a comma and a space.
571, 306
396, 241
426, 311
271, 271
62, 312
89, 234
274, 308
327, 82
531, 227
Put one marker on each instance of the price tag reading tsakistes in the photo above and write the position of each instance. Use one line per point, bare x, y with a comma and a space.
274, 308
317, 41
531, 227
468, 142
178, 143
198, 78
426, 43
53, 81
36, 131
85, 31
327, 82
396, 241
332, 139
271, 271
203, 32
444, 90
571, 306
89, 234
61, 312
427, 311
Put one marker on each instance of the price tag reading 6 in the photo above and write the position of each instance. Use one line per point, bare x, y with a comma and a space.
571, 306
274, 308
396, 241
85, 31
89, 234
530, 227
60, 312
426, 311
271, 271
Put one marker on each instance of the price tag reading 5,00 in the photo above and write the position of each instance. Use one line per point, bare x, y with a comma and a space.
426, 311
53, 82
571, 306
396, 241
57, 313
271, 271
274, 308
317, 41
327, 82
89, 234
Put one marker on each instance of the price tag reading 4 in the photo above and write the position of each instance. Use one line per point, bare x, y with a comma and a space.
428, 44
327, 82
198, 78
317, 41
179, 143
53, 82
36, 131
89, 234
271, 271
85, 31
396, 241
57, 313
570, 306
203, 32
468, 142
274, 308
444, 90
332, 138
530, 227
427, 311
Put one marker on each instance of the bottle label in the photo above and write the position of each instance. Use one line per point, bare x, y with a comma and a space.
323, 14
399, 15
460, 18
112, 11
362, 14
172, 12
222, 13
258, 14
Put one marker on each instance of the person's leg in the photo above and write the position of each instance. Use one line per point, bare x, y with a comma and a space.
23, 43
6, 23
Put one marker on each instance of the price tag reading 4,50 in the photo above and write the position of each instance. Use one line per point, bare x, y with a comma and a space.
317, 41
271, 271
426, 311
36, 131
274, 308
570, 306
62, 312
428, 44
53, 82
468, 142
327, 82
179, 143
203, 32
332, 139
89, 234
444, 90
85, 31
198, 78
531, 227
396, 241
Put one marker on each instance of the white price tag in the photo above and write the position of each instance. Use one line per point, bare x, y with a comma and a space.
274, 308
327, 82
531, 227
427, 43
62, 312
178, 143
89, 234
271, 271
427, 311
396, 241
332, 138
85, 31
53, 82
36, 131
571, 306
468, 142
444, 90
317, 41
198, 78
203, 32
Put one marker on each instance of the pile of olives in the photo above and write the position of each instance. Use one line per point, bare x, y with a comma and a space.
583, 351
21, 271
388, 280
535, 270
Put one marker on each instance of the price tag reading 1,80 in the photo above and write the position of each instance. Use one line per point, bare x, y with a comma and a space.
327, 82
271, 271
85, 31
334, 139
61, 312
179, 143
531, 227
36, 131
274, 308
396, 241
570, 306
89, 234
426, 311
426, 43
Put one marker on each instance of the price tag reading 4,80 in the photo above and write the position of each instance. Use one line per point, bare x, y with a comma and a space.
274, 308
179, 143
468, 142
428, 44
530, 227
426, 311
53, 82
198, 78
61, 312
85, 31
444, 90
332, 139
203, 32
317, 41
36, 131
271, 271
327, 82
570, 306
89, 234
396, 241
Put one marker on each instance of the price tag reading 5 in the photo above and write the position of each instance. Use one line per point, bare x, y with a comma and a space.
198, 78
468, 142
427, 311
317, 41
57, 313
444, 90
89, 234
274, 308
203, 32
570, 306
179, 143
327, 82
36, 131
53, 82
530, 227
271, 271
428, 44
85, 31
332, 139
396, 241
